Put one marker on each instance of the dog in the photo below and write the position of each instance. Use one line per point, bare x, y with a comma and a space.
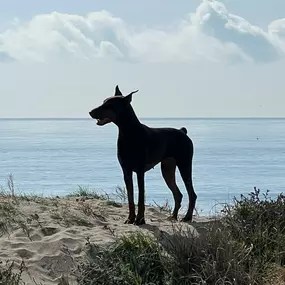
140, 148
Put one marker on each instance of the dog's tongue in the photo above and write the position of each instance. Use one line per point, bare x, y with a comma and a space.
99, 122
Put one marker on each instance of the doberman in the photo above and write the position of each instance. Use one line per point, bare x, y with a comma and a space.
140, 148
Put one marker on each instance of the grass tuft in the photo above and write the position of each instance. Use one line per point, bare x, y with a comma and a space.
85, 192
134, 259
245, 246
9, 277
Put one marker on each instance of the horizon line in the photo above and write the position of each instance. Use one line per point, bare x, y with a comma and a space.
142, 118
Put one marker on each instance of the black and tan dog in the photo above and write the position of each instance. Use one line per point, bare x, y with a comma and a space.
140, 148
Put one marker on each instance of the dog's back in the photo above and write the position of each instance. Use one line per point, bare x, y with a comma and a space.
167, 142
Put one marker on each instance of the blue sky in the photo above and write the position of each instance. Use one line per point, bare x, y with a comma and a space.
220, 58
136, 12
142, 12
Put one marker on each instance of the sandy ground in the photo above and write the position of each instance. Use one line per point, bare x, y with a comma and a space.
50, 234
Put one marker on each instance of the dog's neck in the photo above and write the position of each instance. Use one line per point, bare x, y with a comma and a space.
128, 121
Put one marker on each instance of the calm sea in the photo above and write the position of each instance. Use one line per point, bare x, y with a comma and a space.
53, 157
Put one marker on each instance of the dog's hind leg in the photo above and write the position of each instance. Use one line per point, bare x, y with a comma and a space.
185, 169
168, 167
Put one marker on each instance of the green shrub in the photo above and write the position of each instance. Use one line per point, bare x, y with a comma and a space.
133, 260
258, 221
244, 247
213, 257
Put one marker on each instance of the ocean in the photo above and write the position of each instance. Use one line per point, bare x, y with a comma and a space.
231, 156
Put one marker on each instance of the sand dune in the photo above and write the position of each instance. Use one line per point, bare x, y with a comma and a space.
50, 234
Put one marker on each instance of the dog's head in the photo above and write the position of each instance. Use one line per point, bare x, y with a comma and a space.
112, 108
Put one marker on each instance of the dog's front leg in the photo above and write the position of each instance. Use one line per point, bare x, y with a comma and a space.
128, 178
141, 207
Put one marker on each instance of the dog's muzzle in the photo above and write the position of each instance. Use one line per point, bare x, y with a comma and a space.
100, 122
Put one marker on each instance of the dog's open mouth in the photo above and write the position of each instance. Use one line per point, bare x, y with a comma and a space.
101, 122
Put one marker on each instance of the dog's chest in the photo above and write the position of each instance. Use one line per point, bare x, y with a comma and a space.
139, 154
130, 154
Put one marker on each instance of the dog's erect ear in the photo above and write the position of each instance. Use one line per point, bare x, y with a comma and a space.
117, 91
129, 97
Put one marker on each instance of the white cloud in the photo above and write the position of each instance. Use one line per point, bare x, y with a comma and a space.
211, 33
277, 31
213, 19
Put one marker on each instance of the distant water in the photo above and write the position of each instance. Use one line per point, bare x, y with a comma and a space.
53, 157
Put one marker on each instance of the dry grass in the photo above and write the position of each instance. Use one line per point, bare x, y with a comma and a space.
245, 246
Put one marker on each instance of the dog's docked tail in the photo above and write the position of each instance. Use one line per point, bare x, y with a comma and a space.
183, 130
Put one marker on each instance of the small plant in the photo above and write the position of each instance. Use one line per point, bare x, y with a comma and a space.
55, 216
166, 207
67, 217
133, 260
26, 229
8, 277
85, 192
4, 228
114, 204
121, 193
77, 220
10, 183
87, 210
8, 215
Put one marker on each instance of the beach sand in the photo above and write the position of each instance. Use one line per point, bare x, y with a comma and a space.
50, 234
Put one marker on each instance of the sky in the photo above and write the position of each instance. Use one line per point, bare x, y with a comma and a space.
62, 58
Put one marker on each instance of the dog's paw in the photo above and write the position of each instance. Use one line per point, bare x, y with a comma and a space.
171, 218
186, 219
139, 221
130, 220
